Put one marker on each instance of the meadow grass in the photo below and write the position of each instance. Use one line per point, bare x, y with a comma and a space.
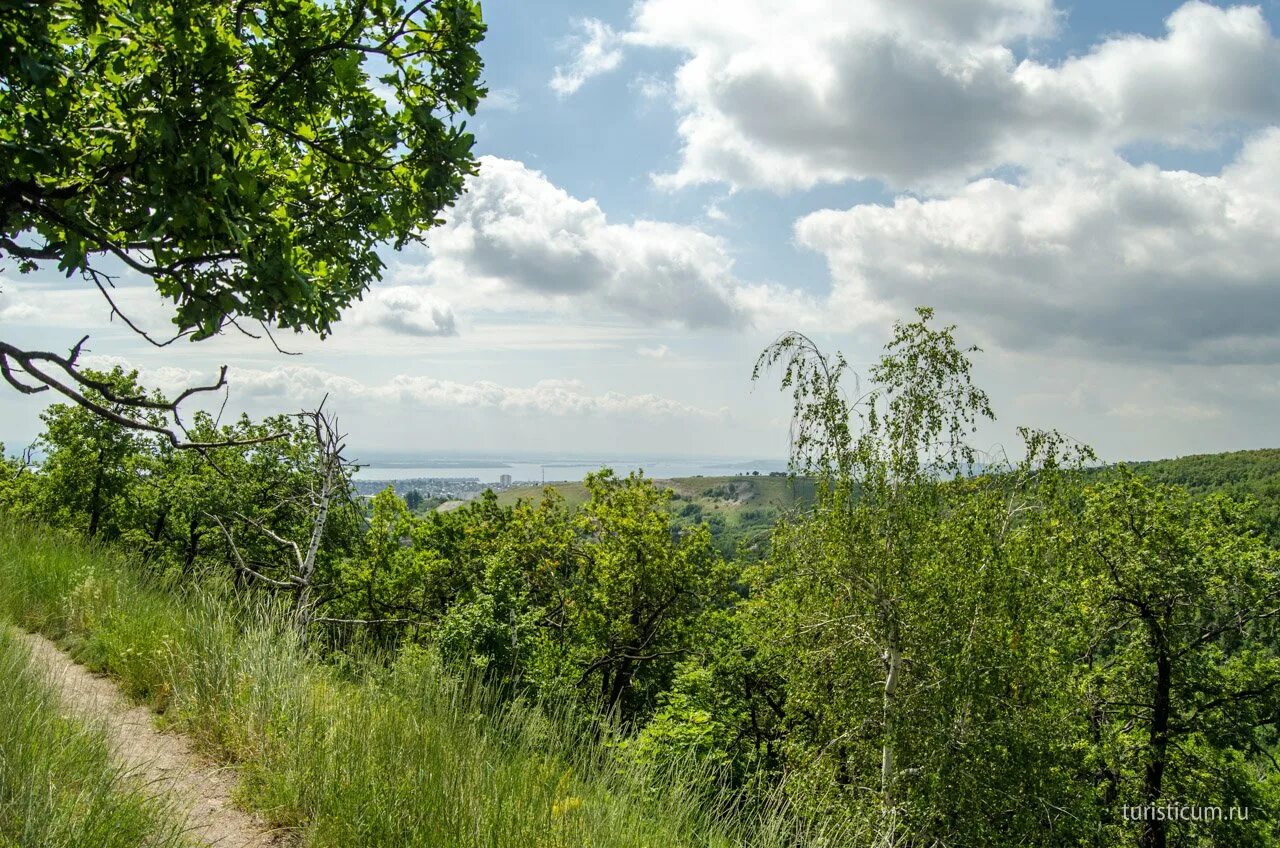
374, 754
58, 786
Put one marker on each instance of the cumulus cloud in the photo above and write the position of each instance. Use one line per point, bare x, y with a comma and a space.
405, 310
596, 49
515, 241
1117, 259
786, 95
304, 384
168, 379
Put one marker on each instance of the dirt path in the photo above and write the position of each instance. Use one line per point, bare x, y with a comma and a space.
164, 762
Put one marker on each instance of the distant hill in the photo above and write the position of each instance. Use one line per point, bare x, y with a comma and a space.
739, 509
1249, 473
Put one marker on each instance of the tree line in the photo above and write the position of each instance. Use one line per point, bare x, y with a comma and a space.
945, 648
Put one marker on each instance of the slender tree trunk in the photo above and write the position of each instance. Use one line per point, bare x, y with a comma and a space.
892, 656
193, 547
308, 565
95, 498
621, 680
893, 668
157, 530
1154, 834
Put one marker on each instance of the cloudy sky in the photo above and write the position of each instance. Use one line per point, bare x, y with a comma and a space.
1089, 190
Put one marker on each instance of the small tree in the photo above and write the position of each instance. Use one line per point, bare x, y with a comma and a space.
91, 464
900, 614
640, 590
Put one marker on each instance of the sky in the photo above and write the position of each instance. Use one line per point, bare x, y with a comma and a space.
1089, 191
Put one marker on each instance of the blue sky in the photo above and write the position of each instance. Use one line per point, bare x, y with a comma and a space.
1086, 189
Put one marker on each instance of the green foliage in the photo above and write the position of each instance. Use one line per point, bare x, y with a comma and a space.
739, 511
248, 158
900, 650
406, 754
599, 603
1242, 475
90, 462
641, 588
1180, 679
887, 614
58, 788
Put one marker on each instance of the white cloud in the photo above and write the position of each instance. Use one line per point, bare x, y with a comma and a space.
502, 100
1115, 259
597, 50
169, 379
404, 310
557, 398
515, 241
654, 351
43, 302
652, 87
17, 310
786, 95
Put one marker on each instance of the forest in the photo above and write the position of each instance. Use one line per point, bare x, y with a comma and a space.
925, 654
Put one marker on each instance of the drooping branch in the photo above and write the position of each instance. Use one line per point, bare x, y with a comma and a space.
104, 282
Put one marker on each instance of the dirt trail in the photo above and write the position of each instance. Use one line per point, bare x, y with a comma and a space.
164, 762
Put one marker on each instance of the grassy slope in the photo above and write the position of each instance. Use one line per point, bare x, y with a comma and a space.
58, 788
370, 757
740, 509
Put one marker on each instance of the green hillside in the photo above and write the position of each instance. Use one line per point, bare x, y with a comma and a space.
1240, 474
743, 507
739, 509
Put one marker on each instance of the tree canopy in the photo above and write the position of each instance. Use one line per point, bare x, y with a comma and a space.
247, 157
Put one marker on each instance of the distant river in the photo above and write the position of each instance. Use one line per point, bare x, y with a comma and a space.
562, 470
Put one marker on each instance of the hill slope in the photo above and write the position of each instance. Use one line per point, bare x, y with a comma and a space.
738, 509
742, 508
1238, 474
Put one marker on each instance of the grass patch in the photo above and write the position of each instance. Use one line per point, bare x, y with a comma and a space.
58, 786
405, 755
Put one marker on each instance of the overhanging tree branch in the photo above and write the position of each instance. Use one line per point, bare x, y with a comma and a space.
76, 386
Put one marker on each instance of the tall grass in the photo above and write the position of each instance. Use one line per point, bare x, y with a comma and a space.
58, 788
374, 755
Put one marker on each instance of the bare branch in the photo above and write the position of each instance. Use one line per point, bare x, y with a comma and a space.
97, 277
34, 364
241, 564
275, 537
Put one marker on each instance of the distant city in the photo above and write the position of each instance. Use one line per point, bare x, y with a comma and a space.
525, 469
461, 478
439, 488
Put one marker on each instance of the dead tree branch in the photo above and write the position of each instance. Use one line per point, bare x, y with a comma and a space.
36, 371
